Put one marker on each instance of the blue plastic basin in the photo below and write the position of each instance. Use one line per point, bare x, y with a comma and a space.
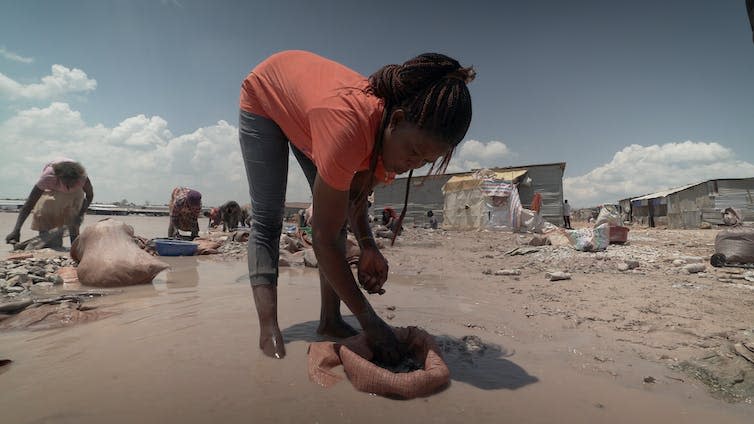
167, 247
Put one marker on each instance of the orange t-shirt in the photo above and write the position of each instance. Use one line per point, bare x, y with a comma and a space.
322, 108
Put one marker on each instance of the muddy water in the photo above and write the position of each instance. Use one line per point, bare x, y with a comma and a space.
184, 349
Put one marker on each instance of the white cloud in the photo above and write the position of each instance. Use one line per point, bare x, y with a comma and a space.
14, 56
474, 154
139, 159
60, 82
638, 170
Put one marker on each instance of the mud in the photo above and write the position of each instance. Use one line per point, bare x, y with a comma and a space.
519, 348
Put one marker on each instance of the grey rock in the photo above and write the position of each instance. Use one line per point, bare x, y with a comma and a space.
679, 262
557, 275
694, 268
55, 279
310, 260
507, 272
15, 306
35, 279
14, 289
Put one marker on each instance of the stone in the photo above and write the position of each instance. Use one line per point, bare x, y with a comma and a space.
310, 260
15, 306
679, 262
16, 280
14, 289
55, 279
694, 268
622, 266
507, 272
692, 259
632, 264
557, 275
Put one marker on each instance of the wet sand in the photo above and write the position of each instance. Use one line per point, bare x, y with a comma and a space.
184, 349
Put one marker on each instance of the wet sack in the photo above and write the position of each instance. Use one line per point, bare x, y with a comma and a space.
355, 355
109, 257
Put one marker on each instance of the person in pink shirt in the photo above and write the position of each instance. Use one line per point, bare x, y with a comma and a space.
348, 132
60, 197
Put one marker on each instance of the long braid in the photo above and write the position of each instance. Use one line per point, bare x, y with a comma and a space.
431, 89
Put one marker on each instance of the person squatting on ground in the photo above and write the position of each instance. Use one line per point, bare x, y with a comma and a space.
185, 207
347, 132
60, 198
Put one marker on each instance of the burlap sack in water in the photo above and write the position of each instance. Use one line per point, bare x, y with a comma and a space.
355, 355
737, 244
108, 256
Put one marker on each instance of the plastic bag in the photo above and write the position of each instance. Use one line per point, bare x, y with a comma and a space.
608, 214
589, 239
737, 244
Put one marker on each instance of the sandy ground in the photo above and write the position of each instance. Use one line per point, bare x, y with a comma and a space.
646, 345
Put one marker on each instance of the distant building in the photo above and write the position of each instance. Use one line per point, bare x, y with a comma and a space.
690, 205
426, 192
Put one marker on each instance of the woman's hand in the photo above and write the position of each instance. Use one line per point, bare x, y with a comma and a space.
382, 340
373, 269
13, 237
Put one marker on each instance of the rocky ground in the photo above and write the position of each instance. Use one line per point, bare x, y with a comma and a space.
655, 298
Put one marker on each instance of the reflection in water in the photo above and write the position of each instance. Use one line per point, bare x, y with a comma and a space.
183, 273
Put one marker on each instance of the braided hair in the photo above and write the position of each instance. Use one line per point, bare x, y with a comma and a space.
431, 90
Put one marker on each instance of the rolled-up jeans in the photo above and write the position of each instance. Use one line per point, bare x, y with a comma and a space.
264, 147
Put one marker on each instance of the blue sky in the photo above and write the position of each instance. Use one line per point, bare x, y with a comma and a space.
634, 96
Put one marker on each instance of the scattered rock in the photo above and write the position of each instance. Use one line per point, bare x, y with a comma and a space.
310, 260
507, 272
649, 380
391, 308
390, 316
557, 275
694, 268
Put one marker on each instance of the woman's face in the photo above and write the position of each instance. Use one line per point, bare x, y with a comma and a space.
406, 146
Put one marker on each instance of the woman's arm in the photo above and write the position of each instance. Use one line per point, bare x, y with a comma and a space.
373, 268
34, 196
89, 191
330, 211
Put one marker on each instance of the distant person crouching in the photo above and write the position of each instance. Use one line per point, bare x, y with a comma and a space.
60, 198
185, 207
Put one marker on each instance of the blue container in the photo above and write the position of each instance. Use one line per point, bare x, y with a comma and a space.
168, 247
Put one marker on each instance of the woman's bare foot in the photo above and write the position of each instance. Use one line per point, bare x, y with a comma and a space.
270, 339
336, 328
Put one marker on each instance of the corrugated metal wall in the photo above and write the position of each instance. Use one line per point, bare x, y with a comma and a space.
548, 181
737, 194
706, 201
685, 207
427, 194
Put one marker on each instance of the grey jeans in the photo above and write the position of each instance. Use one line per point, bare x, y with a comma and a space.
265, 154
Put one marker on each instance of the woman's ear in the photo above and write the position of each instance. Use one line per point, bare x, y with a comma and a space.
398, 116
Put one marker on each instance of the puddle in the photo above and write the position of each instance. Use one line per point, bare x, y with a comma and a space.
184, 349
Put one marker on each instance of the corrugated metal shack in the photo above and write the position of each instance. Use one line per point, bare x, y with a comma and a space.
426, 192
690, 205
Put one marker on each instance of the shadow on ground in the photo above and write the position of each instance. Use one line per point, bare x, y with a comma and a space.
469, 358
